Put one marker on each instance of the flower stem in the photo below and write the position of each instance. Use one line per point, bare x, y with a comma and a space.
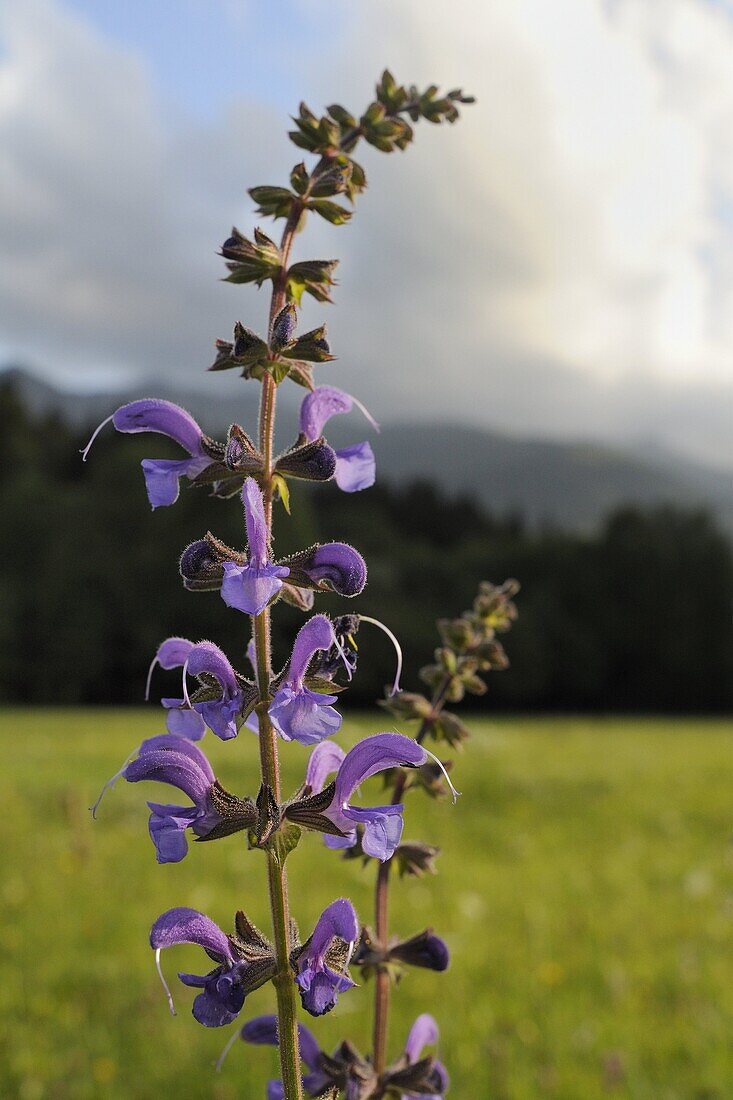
276, 875
381, 908
381, 991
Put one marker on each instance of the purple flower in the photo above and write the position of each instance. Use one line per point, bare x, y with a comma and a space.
330, 945
177, 761
382, 824
424, 1032
180, 719
262, 1031
222, 989
205, 660
250, 587
220, 715
296, 712
355, 466
162, 475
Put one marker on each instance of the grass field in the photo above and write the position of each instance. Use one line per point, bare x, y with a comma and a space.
585, 887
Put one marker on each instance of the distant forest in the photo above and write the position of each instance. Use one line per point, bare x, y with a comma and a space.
635, 617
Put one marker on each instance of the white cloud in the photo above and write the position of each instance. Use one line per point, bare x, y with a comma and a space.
560, 261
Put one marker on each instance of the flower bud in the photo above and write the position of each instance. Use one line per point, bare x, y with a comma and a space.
283, 327
425, 950
333, 567
415, 858
202, 564
240, 453
314, 461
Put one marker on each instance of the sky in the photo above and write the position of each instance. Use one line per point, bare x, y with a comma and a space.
558, 263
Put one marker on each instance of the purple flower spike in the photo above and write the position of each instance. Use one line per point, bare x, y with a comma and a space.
355, 466
319, 984
222, 993
424, 1032
162, 476
382, 824
297, 713
180, 763
249, 588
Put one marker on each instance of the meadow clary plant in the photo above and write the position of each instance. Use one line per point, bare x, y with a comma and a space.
299, 703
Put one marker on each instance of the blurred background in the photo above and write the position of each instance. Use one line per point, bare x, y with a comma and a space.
537, 306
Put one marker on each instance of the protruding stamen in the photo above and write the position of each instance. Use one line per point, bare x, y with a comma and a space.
454, 792
95, 433
229, 1044
185, 686
164, 983
110, 783
365, 412
343, 979
153, 663
342, 655
375, 622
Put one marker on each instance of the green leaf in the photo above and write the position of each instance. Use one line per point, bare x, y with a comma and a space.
273, 201
279, 370
299, 178
331, 211
284, 841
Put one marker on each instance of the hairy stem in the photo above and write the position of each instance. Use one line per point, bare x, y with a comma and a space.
276, 874
381, 907
381, 988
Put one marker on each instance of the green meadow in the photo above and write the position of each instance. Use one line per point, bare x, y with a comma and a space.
585, 887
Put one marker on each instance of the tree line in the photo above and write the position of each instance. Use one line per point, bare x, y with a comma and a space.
635, 616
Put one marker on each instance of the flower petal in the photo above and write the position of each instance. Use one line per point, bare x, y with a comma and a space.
172, 653
211, 1010
304, 715
254, 515
182, 722
319, 989
151, 414
162, 477
337, 919
165, 742
220, 715
375, 754
319, 406
324, 402
168, 832
184, 925
356, 467
317, 633
249, 588
205, 657
424, 1032
382, 827
326, 758
174, 768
